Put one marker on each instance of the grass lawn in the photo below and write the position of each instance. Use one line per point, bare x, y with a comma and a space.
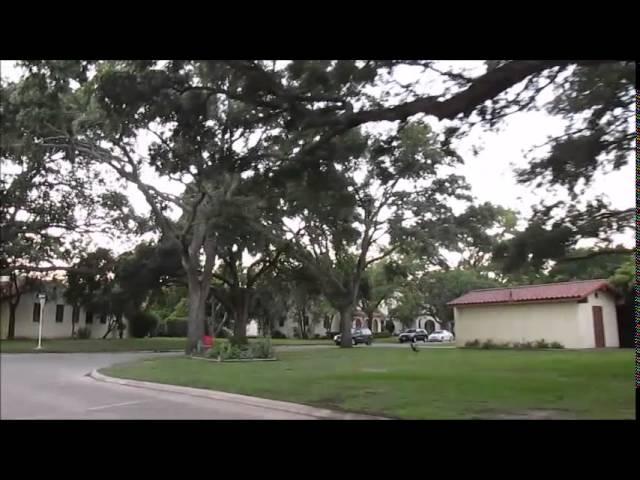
433, 384
65, 345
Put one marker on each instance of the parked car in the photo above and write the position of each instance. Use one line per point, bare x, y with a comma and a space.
441, 336
413, 335
358, 335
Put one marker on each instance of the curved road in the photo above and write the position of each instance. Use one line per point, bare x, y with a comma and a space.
55, 386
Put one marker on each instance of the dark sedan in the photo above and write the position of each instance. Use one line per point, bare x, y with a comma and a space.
413, 335
359, 335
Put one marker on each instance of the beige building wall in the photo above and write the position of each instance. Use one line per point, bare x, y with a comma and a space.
27, 328
519, 323
609, 319
570, 323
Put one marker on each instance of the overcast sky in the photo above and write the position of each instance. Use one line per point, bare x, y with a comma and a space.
491, 171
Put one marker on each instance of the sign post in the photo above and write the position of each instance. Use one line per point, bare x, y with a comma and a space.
43, 298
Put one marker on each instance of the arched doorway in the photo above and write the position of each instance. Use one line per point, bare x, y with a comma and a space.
430, 326
376, 326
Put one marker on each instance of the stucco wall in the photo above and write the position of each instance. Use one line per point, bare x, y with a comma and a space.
569, 323
609, 320
27, 328
519, 323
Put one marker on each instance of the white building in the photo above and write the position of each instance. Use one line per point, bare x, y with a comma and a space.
57, 316
578, 314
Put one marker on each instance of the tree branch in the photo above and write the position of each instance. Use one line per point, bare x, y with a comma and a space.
480, 90
384, 255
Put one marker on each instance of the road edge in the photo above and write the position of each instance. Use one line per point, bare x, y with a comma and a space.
296, 408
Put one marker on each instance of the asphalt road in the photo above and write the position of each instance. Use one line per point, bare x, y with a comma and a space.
55, 386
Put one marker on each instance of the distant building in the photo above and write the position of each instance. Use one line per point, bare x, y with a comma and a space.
56, 316
578, 314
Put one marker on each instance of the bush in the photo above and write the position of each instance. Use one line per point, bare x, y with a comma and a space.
382, 335
317, 336
177, 327
262, 348
277, 334
83, 332
161, 330
142, 324
541, 344
487, 345
227, 351
491, 345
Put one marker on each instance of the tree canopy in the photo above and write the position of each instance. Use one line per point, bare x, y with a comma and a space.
274, 161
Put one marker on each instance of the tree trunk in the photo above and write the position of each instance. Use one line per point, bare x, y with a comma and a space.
240, 319
13, 306
110, 326
221, 325
11, 333
346, 320
370, 320
73, 321
195, 329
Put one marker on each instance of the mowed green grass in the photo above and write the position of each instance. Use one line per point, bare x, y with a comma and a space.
64, 345
430, 384
118, 345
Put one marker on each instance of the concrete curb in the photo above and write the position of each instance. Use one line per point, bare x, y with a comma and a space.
319, 413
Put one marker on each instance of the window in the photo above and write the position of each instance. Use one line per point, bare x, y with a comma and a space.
75, 314
59, 313
103, 318
88, 318
36, 312
282, 320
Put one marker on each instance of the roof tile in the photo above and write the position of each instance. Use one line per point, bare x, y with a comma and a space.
531, 293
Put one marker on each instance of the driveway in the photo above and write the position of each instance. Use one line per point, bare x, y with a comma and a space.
55, 386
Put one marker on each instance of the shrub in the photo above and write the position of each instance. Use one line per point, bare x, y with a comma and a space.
142, 324
262, 348
491, 345
382, 335
227, 351
161, 330
540, 344
487, 345
317, 336
277, 334
177, 327
84, 332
